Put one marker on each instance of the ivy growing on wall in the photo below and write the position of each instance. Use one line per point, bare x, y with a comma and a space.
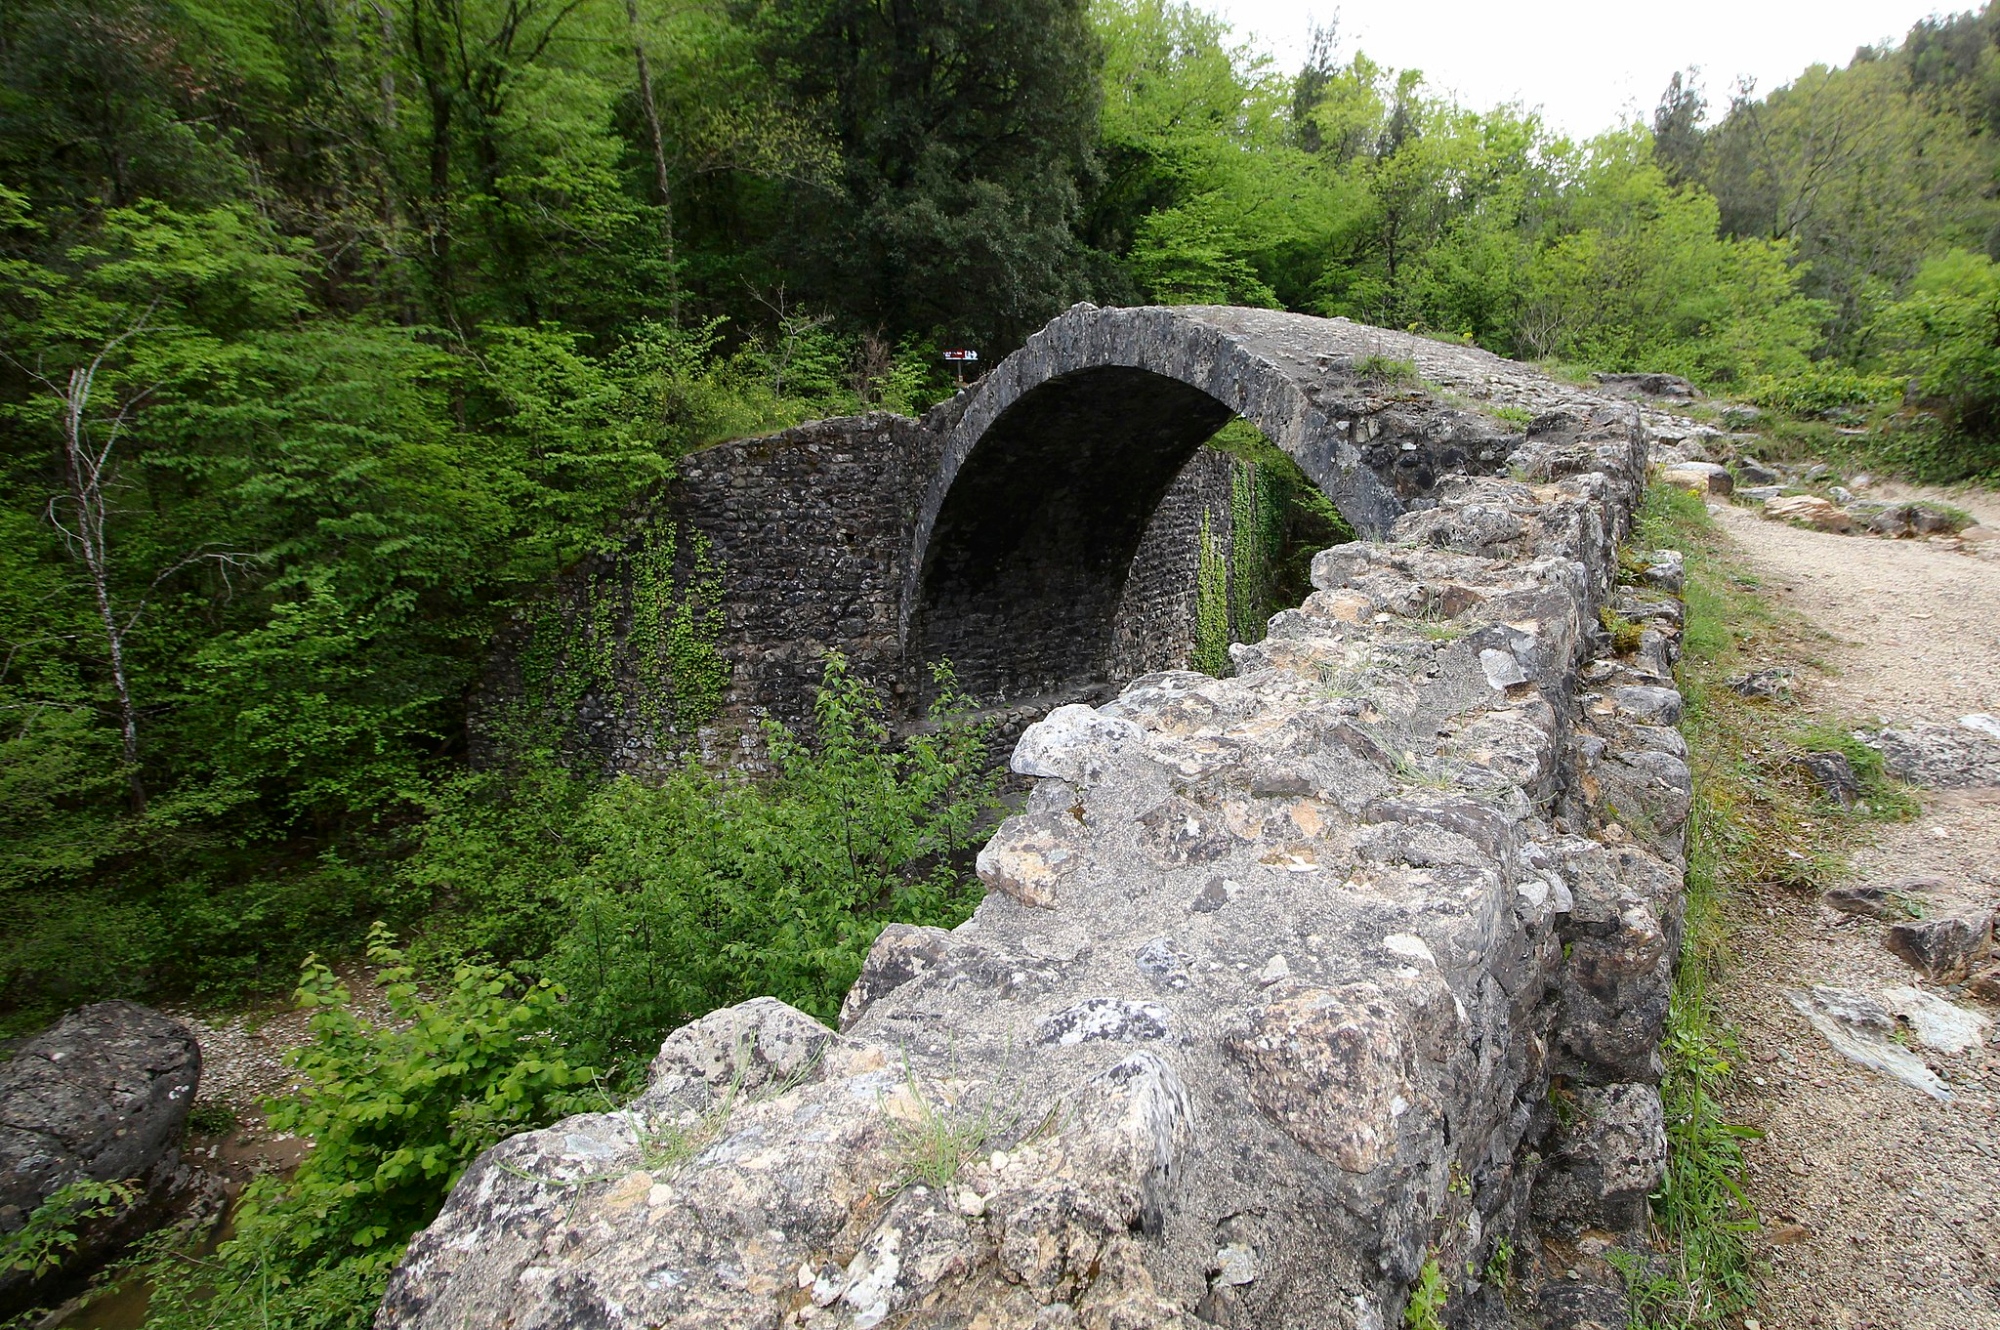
1211, 605
650, 616
1258, 499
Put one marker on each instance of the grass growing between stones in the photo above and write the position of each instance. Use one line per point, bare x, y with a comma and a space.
1755, 824
934, 1140
1703, 1218
1758, 824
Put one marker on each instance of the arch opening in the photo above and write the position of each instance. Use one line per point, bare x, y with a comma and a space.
1070, 552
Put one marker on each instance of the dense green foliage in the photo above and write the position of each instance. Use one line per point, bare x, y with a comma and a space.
1879, 176
653, 905
396, 1110
696, 893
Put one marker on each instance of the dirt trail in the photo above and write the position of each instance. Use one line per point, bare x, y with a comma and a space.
1881, 1205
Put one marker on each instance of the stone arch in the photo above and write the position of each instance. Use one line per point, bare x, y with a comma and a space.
1050, 468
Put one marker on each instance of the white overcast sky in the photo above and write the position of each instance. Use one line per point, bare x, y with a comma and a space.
1587, 63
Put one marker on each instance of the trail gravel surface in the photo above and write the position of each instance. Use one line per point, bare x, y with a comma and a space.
1881, 1204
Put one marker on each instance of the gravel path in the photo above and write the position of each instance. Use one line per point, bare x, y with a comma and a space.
1915, 624
1881, 1205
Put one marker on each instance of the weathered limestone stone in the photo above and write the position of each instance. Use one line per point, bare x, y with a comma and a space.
1263, 1003
1809, 510
1669, 386
1704, 477
1611, 1155
1964, 756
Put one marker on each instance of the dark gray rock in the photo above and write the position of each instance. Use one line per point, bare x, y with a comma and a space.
1891, 522
1833, 774
1667, 387
1772, 685
1944, 949
1894, 900
1610, 1157
1582, 1305
1756, 473
102, 1096
1928, 521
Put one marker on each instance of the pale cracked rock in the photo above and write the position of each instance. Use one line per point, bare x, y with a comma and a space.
1330, 1069
1028, 855
1809, 510
1073, 743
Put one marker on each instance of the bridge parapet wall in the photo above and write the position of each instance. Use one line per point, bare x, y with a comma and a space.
1276, 982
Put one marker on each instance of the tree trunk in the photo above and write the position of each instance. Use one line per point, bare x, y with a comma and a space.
83, 477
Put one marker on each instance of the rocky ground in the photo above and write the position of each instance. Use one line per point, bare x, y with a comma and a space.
243, 1064
1881, 1202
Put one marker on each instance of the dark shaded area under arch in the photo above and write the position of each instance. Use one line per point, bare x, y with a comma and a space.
1026, 564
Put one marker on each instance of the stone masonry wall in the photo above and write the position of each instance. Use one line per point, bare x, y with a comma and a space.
1155, 622
1286, 987
809, 534
805, 530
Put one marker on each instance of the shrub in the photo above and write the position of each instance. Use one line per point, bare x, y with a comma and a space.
703, 891
396, 1111
1823, 387
1946, 336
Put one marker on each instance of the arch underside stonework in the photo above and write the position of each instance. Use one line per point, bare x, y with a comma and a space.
1051, 468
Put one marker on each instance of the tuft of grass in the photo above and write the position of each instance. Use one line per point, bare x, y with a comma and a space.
1518, 416
1624, 633
1883, 798
211, 1118
931, 1150
1409, 769
1387, 370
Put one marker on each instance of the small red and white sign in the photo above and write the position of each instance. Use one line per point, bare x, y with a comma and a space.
961, 355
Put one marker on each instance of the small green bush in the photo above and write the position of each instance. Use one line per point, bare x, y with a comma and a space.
1425, 1310
397, 1110
1823, 387
702, 891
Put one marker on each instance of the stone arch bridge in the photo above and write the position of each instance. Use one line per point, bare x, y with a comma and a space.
1040, 530
1290, 993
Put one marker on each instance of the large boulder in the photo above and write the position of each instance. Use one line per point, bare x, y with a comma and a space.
101, 1097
